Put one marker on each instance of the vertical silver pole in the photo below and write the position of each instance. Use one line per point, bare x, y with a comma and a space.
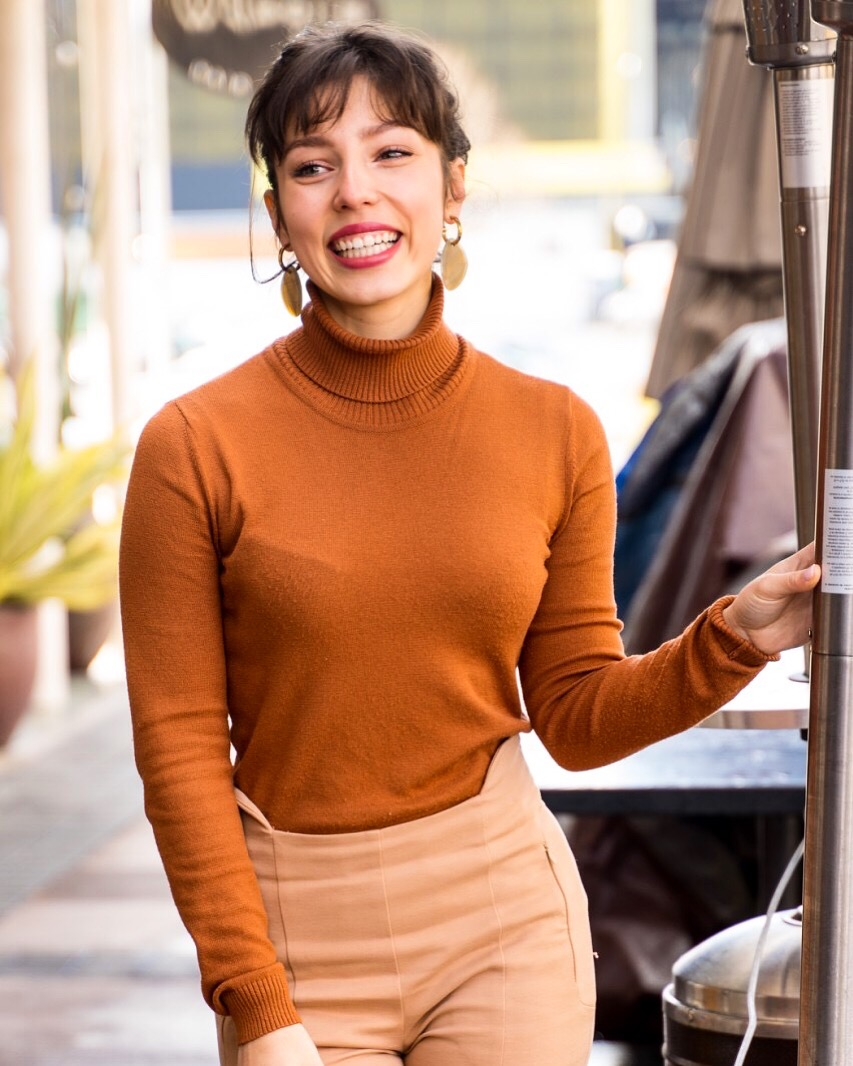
826, 997
783, 37
804, 95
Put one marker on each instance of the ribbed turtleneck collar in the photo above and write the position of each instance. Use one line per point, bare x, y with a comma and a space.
374, 382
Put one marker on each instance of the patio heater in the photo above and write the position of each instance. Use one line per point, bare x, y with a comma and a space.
785, 39
705, 1008
826, 995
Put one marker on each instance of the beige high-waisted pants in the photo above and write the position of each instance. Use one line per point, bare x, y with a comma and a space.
459, 939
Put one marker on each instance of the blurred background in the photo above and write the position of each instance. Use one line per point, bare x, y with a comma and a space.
128, 213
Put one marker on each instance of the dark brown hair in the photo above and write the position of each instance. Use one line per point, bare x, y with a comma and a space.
310, 81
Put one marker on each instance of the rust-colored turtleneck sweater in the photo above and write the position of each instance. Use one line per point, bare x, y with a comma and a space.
348, 546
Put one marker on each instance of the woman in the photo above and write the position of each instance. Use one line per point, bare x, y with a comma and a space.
347, 546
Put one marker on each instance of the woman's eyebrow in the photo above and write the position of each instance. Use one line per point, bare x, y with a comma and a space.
310, 140
319, 140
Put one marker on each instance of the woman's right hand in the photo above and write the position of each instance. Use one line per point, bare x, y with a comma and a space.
291, 1046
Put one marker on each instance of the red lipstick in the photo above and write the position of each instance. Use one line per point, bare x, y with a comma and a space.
365, 256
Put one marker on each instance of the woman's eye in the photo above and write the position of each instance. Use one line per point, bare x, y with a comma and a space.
308, 170
394, 153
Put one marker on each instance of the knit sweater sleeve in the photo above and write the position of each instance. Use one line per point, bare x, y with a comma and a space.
176, 675
588, 702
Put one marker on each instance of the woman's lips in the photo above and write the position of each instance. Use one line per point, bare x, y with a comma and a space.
361, 246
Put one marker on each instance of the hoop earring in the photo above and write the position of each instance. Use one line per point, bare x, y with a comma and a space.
454, 261
291, 286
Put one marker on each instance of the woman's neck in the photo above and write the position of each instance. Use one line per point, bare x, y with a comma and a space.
386, 320
371, 382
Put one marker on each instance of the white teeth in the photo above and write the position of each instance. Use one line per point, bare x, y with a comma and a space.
365, 244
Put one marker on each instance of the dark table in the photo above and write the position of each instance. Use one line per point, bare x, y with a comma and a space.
702, 771
745, 764
739, 767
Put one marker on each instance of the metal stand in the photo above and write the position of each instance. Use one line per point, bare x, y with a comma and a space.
705, 1007
784, 38
826, 997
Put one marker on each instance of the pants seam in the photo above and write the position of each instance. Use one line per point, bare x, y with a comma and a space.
393, 941
501, 952
286, 961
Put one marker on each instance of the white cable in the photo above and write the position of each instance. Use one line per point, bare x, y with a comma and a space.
752, 987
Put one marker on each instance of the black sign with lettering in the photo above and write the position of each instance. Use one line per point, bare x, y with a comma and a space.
226, 45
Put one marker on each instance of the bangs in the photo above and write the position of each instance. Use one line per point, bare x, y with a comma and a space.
406, 89
393, 101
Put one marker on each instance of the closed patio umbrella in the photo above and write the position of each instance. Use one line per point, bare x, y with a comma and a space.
728, 270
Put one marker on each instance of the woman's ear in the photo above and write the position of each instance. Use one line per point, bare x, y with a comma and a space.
455, 188
271, 204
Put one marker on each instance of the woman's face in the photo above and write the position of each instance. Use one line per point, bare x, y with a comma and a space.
361, 205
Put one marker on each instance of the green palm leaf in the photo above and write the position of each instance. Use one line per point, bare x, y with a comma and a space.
49, 547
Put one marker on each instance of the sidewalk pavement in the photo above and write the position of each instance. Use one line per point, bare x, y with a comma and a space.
95, 966
96, 969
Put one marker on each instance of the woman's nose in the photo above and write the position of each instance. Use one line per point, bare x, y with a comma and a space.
355, 186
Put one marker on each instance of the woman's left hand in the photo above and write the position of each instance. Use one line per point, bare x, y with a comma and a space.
774, 611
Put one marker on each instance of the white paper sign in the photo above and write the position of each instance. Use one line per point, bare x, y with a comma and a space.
805, 132
837, 562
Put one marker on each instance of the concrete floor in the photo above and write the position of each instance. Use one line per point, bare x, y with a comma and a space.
95, 966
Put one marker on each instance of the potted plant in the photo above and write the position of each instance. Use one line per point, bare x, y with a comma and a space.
48, 546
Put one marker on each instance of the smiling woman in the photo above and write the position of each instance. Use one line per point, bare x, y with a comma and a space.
363, 152
361, 202
337, 559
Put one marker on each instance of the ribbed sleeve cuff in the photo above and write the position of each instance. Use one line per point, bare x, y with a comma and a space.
258, 1003
736, 647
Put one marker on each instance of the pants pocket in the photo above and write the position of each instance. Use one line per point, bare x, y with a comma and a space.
567, 878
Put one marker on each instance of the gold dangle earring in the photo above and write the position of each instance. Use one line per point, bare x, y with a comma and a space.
454, 261
291, 286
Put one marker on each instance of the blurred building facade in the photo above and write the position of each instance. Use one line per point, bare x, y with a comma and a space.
553, 71
563, 99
